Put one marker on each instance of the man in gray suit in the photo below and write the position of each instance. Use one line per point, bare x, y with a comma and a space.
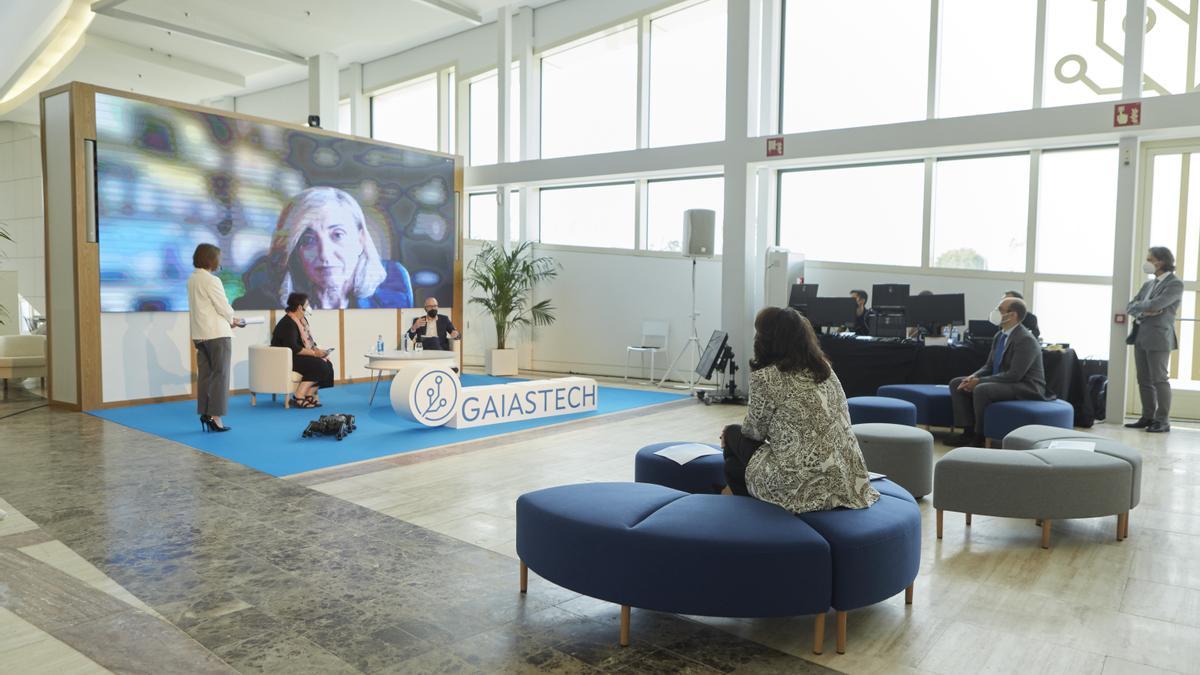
1013, 371
1154, 309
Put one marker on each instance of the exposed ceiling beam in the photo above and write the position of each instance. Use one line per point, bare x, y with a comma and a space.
201, 35
98, 7
455, 9
166, 60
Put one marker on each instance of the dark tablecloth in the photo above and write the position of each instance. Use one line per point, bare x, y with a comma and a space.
863, 366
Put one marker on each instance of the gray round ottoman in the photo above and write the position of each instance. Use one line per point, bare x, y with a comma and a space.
902, 453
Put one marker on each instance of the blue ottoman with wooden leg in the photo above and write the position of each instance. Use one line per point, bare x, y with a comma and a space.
864, 409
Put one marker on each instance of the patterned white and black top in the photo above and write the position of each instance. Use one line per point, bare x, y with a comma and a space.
810, 460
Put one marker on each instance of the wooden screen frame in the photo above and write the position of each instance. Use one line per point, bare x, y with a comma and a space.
86, 256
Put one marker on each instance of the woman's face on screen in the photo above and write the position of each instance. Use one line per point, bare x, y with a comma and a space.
330, 247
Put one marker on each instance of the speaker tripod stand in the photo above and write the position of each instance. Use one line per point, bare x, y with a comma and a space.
692, 346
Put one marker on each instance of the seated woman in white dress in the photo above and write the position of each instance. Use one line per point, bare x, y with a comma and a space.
795, 448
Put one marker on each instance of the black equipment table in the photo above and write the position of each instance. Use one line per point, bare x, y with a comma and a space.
865, 365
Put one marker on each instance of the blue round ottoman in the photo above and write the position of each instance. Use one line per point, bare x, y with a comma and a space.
931, 400
648, 546
652, 547
864, 409
703, 475
876, 551
1005, 416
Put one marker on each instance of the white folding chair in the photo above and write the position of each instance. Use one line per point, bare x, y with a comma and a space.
654, 340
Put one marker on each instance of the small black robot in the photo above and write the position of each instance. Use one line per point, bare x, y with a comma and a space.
339, 426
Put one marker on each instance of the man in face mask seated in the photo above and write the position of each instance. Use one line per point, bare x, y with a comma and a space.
1013, 371
435, 326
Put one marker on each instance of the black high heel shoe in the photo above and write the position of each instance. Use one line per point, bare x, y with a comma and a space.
208, 424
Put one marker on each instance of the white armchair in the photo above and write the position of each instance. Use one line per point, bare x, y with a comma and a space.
22, 356
271, 373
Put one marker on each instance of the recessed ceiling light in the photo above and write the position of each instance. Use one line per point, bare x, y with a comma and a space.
58, 50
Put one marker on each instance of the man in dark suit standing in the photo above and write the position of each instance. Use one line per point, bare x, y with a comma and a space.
1030, 320
1013, 371
433, 325
1154, 309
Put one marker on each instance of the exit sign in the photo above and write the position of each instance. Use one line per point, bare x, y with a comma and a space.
775, 146
1127, 114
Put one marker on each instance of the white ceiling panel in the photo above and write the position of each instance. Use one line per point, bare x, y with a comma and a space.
153, 60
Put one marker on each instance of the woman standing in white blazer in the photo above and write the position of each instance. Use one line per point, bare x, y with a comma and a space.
212, 323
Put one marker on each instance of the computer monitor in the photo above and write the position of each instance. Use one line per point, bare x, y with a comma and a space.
941, 310
712, 353
801, 295
889, 296
984, 330
832, 311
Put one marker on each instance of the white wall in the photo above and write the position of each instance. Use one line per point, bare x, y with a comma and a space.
21, 211
149, 354
601, 299
11, 317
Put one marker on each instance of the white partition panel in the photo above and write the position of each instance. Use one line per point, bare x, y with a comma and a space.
145, 355
60, 251
253, 334
363, 328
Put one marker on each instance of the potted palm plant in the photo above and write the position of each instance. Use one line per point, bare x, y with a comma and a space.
503, 282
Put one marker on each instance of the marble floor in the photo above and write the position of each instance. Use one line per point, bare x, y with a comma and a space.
123, 552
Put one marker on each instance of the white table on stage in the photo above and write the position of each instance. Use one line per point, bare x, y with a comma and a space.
395, 361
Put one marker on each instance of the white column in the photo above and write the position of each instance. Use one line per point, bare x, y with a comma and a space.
504, 49
531, 90
742, 251
1124, 252
323, 88
360, 103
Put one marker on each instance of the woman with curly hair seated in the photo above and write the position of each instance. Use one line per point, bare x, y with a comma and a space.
796, 448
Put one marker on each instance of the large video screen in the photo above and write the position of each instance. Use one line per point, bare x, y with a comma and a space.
353, 224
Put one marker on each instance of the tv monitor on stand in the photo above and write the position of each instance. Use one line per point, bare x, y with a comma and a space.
800, 297
937, 310
832, 311
890, 302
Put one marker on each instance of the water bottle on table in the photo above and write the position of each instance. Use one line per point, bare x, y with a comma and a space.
379, 345
418, 346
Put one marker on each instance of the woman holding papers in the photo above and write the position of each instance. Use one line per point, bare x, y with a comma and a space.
795, 448
211, 321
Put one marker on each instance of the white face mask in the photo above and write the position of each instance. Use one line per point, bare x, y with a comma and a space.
308, 311
1148, 267
995, 317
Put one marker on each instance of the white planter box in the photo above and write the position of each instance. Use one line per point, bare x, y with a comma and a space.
500, 362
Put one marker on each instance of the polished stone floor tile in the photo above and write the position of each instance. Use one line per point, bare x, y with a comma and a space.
408, 566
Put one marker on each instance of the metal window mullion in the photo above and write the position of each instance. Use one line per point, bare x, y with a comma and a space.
1039, 56
444, 112
927, 216
935, 34
643, 83
462, 113
641, 206
1035, 164
1185, 179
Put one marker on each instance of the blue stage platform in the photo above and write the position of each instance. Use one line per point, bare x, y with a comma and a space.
266, 437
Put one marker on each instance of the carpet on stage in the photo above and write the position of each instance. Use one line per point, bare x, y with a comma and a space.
266, 437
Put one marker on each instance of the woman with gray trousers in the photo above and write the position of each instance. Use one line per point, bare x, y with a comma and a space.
1153, 338
212, 323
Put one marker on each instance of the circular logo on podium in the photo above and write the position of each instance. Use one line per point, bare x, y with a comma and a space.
434, 397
